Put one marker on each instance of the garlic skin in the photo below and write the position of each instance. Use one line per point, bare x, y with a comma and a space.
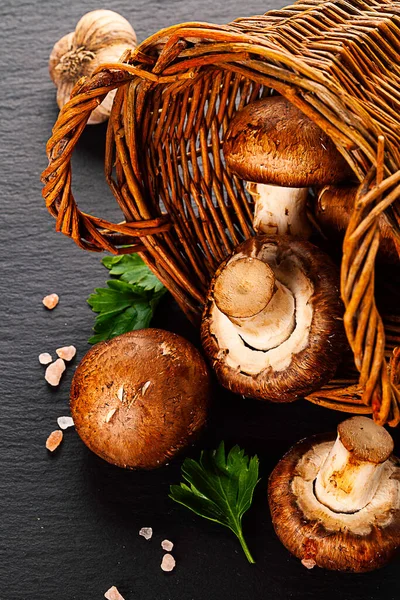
101, 36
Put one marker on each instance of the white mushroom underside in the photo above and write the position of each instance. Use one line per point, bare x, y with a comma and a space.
277, 353
379, 511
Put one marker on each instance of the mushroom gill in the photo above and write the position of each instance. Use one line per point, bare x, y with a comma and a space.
336, 504
270, 337
272, 324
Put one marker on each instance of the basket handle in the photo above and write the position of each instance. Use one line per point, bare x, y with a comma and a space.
90, 232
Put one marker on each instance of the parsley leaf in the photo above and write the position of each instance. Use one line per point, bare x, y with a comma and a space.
219, 488
131, 268
127, 303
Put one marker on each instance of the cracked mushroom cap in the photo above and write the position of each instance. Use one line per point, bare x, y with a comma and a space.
140, 398
271, 141
297, 346
356, 542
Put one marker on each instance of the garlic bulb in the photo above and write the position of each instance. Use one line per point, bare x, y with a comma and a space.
101, 36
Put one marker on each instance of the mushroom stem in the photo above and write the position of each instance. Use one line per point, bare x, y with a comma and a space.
244, 287
280, 210
263, 309
352, 471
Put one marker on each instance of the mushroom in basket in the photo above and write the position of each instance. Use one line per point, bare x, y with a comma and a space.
332, 209
281, 153
272, 325
336, 504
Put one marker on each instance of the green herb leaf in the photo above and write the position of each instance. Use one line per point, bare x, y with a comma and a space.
219, 488
127, 303
131, 268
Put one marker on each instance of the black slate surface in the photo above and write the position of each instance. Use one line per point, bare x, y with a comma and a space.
69, 522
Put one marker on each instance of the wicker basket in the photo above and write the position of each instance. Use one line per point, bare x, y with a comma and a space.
337, 61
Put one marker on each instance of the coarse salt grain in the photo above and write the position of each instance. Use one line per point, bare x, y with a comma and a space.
54, 372
65, 422
309, 563
45, 358
113, 594
146, 532
168, 562
51, 301
167, 545
54, 440
66, 352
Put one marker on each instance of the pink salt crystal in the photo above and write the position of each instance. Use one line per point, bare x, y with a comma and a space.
65, 422
54, 440
50, 301
54, 372
66, 352
45, 358
113, 594
146, 532
167, 545
168, 562
309, 563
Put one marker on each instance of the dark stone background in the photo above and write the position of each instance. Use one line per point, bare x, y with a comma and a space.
69, 522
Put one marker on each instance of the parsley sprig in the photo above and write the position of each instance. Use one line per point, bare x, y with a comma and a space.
219, 488
129, 301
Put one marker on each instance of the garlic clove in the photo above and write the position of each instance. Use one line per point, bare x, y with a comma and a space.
64, 92
110, 54
101, 36
100, 28
62, 47
102, 112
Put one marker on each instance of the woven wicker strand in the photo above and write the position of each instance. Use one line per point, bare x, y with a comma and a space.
184, 212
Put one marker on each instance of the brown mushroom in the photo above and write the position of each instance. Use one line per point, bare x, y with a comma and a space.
271, 143
333, 206
272, 325
336, 504
140, 398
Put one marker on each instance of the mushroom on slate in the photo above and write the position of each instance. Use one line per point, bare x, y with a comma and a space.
271, 143
140, 398
272, 325
336, 504
333, 206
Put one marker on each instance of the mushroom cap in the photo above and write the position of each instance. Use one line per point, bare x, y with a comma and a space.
323, 342
271, 141
333, 206
140, 398
357, 542
366, 440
